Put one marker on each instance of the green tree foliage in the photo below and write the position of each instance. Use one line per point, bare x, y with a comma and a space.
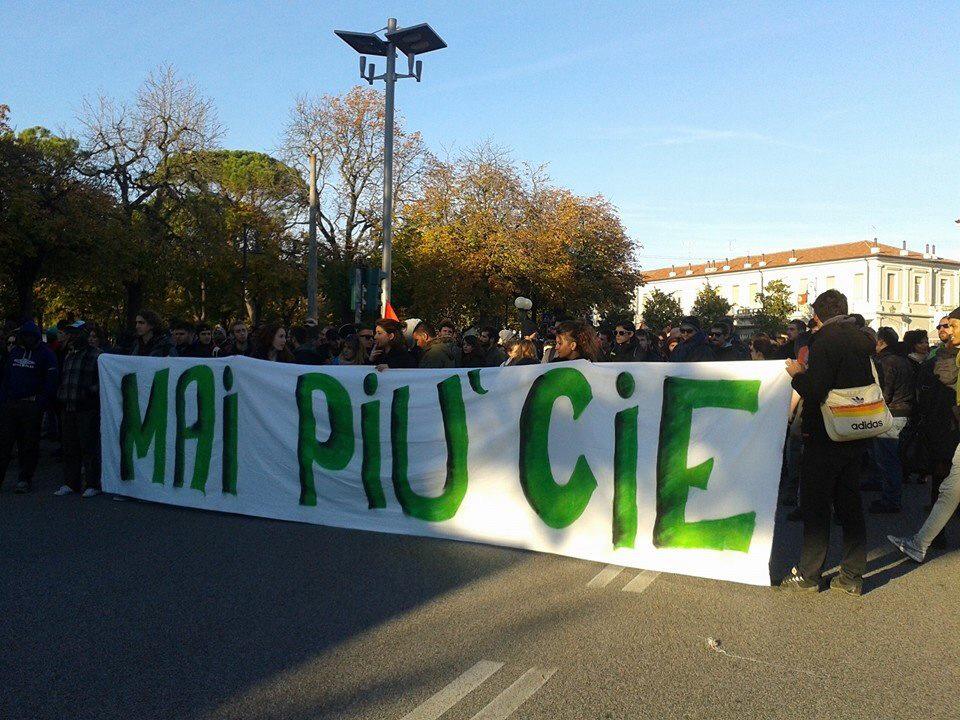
710, 306
775, 307
661, 309
50, 215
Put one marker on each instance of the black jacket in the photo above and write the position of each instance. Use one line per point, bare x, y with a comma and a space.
732, 352
936, 405
397, 358
839, 358
695, 349
897, 379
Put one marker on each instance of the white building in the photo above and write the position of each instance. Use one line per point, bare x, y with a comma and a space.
892, 286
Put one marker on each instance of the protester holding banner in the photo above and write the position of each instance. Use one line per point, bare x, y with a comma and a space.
576, 341
839, 358
271, 344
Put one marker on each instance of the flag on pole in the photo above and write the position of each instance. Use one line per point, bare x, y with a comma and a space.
389, 314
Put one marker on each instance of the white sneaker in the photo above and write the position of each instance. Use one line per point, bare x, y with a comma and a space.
90, 492
906, 547
64, 490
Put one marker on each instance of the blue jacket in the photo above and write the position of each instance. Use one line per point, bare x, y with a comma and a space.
29, 373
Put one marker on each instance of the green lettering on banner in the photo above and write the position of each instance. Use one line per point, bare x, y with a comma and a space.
557, 505
454, 414
625, 448
335, 452
139, 434
201, 430
370, 432
681, 396
230, 418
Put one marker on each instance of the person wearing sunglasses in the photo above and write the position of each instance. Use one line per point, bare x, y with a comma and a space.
937, 403
693, 345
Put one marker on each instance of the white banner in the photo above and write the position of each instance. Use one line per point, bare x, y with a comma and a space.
670, 467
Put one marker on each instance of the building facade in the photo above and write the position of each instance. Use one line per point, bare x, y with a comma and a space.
904, 289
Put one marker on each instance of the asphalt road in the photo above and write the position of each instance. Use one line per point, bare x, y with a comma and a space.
133, 610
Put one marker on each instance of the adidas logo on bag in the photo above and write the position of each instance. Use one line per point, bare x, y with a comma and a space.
866, 425
856, 399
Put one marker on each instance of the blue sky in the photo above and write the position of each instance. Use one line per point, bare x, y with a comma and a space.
717, 129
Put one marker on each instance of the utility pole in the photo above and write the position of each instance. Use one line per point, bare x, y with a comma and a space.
390, 80
312, 247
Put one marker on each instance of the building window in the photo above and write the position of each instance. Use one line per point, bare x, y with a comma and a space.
891, 287
802, 298
858, 286
945, 291
735, 294
917, 289
752, 296
831, 282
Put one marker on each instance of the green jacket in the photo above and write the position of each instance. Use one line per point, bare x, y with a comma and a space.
440, 353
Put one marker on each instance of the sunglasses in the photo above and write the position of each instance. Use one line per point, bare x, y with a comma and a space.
687, 331
622, 332
943, 327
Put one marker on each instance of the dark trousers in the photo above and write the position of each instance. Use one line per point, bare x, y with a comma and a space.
80, 439
20, 424
830, 476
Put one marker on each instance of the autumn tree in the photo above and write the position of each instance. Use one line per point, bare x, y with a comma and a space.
660, 309
346, 134
486, 230
710, 306
128, 147
775, 307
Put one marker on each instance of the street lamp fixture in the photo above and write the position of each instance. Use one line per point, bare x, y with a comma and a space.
411, 41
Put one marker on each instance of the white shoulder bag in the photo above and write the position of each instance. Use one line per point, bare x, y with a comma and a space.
856, 413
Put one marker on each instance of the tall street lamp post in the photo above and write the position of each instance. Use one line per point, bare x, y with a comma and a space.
411, 41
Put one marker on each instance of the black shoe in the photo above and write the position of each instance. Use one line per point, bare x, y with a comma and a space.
882, 507
844, 583
22, 487
795, 515
795, 582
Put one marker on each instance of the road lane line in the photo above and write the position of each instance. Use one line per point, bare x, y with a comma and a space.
438, 704
504, 704
641, 582
605, 576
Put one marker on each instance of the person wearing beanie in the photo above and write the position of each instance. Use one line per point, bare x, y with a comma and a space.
948, 499
28, 383
693, 345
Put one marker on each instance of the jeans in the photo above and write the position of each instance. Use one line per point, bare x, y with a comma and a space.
20, 424
947, 502
886, 456
829, 475
81, 449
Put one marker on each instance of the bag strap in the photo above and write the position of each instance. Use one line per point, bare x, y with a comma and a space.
873, 369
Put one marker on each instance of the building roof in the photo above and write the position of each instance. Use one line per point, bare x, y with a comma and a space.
803, 256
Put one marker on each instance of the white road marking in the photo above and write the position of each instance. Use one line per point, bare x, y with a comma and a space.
453, 693
504, 704
605, 576
641, 582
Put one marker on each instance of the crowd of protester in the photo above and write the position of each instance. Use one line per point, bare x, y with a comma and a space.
49, 384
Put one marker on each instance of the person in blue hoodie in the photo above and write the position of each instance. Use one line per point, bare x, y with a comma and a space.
693, 345
28, 383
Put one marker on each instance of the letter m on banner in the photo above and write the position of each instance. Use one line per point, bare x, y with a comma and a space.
138, 432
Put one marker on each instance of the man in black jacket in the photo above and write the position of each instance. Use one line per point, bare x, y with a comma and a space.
693, 345
839, 358
896, 375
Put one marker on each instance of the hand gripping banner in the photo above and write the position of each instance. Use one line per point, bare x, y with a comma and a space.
663, 466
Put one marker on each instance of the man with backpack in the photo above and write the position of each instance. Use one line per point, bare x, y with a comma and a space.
839, 357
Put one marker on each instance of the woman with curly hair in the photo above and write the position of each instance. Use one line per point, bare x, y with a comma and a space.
272, 344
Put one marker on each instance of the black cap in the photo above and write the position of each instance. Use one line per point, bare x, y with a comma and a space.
690, 320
